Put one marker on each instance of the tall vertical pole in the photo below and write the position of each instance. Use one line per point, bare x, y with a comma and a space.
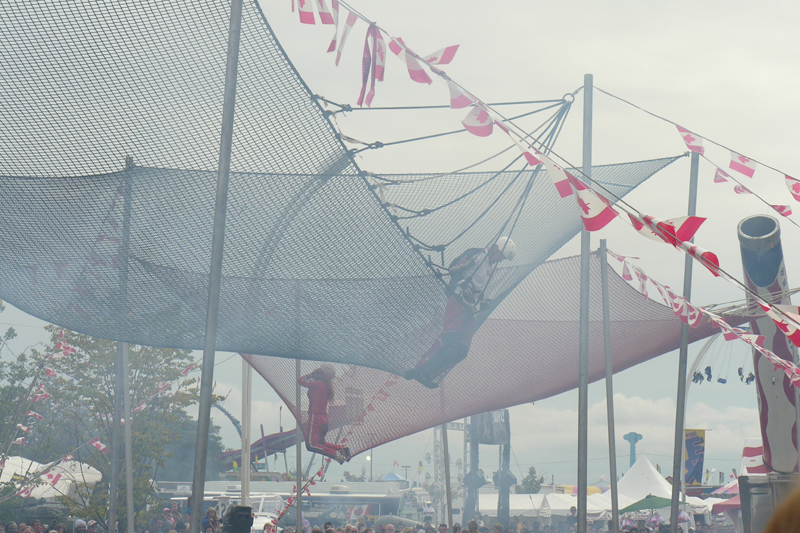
116, 433
215, 274
247, 398
447, 493
126, 406
583, 352
680, 410
298, 445
612, 434
122, 399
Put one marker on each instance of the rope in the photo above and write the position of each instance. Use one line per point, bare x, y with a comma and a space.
344, 108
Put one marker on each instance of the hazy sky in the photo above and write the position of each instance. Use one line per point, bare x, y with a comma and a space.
726, 70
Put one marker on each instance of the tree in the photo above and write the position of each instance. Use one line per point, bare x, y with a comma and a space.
531, 484
180, 465
81, 405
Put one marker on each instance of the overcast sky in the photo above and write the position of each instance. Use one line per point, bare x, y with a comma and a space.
726, 70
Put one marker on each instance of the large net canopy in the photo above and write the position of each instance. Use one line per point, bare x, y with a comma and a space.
109, 146
524, 352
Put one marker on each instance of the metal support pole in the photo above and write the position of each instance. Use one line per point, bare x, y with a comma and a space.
247, 398
680, 410
298, 445
122, 401
583, 352
215, 274
116, 440
447, 493
612, 434
126, 406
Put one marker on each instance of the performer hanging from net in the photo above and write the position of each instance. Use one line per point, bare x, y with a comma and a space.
320, 392
469, 275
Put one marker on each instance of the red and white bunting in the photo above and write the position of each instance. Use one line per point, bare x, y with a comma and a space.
741, 189
478, 122
720, 176
458, 98
559, 176
52, 478
24, 492
672, 231
49, 372
784, 210
348, 25
596, 212
742, 164
706, 258
19, 441
642, 277
693, 142
306, 11
99, 445
37, 416
626, 272
40, 397
443, 56
185, 371
794, 187
24, 429
324, 15
415, 70
527, 153
142, 405
335, 15
790, 327
40, 388
163, 386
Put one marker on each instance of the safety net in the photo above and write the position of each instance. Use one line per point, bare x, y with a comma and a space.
527, 350
109, 145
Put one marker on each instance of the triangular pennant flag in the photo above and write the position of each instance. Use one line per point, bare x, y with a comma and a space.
790, 327
742, 164
22, 428
741, 189
37, 416
720, 176
478, 122
642, 281
693, 142
671, 231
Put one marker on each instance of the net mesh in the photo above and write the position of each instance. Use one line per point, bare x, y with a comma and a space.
109, 144
526, 351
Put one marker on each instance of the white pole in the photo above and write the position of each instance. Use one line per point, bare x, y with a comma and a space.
247, 398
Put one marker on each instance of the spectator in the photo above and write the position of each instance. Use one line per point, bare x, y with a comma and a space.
80, 526
91, 526
443, 528
37, 525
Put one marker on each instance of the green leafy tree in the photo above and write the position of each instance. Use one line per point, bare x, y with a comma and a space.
180, 465
81, 407
531, 484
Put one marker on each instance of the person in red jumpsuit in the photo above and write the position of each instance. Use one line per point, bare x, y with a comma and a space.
320, 392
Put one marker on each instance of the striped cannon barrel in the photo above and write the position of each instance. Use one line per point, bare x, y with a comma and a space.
765, 275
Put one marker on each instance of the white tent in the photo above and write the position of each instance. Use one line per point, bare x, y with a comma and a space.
560, 504
68, 474
603, 501
519, 504
643, 479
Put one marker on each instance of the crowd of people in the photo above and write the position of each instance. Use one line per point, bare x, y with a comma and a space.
36, 526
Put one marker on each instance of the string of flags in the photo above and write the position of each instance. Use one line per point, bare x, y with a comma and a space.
63, 349
305, 489
742, 165
692, 315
